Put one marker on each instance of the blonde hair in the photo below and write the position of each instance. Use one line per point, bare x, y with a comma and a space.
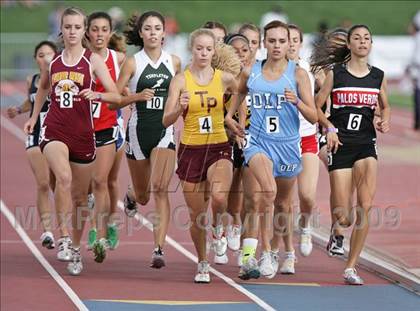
74, 11
226, 59
200, 32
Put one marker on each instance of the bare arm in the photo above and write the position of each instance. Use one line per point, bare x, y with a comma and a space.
177, 64
177, 101
13, 111
383, 124
306, 103
101, 71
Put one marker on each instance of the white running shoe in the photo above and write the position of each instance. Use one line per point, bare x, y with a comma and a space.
64, 252
219, 241
266, 265
288, 266
47, 240
203, 274
234, 237
221, 260
351, 277
75, 266
275, 259
305, 245
239, 255
91, 201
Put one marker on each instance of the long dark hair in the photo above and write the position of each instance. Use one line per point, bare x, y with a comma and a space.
97, 15
134, 25
333, 50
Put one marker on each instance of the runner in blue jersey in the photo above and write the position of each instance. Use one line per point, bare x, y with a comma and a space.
279, 90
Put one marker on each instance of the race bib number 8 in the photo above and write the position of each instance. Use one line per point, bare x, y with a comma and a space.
206, 125
354, 122
96, 109
272, 125
66, 100
156, 103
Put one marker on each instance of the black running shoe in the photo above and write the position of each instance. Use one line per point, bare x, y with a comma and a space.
335, 246
158, 260
130, 206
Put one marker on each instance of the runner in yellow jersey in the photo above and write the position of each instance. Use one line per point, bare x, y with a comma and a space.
204, 156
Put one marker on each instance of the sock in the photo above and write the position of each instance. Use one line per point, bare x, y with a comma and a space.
249, 248
290, 254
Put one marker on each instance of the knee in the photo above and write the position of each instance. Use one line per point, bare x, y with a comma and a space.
159, 188
252, 201
79, 198
142, 198
112, 185
219, 199
306, 200
63, 181
44, 187
100, 183
283, 207
267, 199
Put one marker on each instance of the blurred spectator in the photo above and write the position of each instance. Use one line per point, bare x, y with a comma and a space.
345, 23
414, 69
171, 24
320, 35
276, 13
54, 22
118, 18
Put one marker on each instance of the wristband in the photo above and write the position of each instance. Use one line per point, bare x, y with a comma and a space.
332, 130
19, 110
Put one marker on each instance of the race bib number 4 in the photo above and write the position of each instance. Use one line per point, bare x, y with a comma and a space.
206, 125
156, 103
354, 122
66, 100
272, 125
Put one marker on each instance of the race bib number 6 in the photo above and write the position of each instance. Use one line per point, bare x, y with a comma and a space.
156, 103
66, 99
354, 122
206, 125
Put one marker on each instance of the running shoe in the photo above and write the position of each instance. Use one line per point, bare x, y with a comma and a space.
239, 258
351, 277
112, 236
64, 252
266, 265
221, 260
91, 238
158, 260
335, 246
288, 266
275, 260
249, 270
203, 274
219, 241
234, 237
75, 266
47, 240
130, 206
99, 250
305, 245
91, 201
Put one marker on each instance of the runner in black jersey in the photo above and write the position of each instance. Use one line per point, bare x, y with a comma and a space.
356, 89
37, 161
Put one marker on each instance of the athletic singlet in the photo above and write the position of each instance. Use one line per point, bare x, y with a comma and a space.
32, 93
353, 104
204, 118
69, 113
306, 128
103, 118
272, 117
147, 115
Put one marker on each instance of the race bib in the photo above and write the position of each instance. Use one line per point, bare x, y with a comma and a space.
156, 103
66, 99
206, 125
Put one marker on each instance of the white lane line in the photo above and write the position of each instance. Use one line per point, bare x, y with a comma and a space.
194, 258
38, 255
15, 130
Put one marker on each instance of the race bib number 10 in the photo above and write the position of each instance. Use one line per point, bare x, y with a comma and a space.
156, 103
66, 100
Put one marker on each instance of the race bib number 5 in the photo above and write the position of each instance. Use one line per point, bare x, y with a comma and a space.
206, 125
272, 125
66, 100
156, 103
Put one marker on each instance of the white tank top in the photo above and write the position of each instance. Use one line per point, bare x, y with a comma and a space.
306, 128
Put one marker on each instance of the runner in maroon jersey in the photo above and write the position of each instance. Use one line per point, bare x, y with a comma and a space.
67, 136
99, 32
356, 89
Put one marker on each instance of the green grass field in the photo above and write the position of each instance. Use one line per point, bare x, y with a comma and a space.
384, 17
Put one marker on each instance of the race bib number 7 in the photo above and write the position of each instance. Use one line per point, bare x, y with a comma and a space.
96, 109
66, 99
